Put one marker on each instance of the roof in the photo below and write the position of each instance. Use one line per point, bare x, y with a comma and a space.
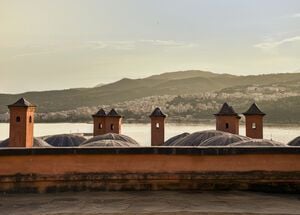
157, 113
257, 143
112, 137
173, 140
65, 140
113, 113
194, 139
295, 142
22, 102
100, 113
254, 110
224, 140
37, 142
108, 143
226, 110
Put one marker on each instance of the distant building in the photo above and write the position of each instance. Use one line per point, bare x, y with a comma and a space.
157, 127
254, 122
21, 123
227, 120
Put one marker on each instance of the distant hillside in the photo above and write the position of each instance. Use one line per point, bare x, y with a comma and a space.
99, 85
173, 83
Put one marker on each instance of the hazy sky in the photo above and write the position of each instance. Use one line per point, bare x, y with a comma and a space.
58, 44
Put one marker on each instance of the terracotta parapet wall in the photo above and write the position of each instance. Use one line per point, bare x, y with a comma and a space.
56, 169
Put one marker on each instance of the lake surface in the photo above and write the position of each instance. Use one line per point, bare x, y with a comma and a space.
141, 132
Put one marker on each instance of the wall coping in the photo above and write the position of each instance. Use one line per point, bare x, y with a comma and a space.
150, 150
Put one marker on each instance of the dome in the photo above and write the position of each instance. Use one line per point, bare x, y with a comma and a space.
295, 142
37, 142
173, 140
65, 140
224, 140
258, 142
109, 143
4, 143
196, 138
111, 137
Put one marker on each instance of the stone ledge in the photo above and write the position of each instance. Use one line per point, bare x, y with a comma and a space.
282, 182
151, 150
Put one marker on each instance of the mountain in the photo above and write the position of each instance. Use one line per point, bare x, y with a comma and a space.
173, 83
99, 85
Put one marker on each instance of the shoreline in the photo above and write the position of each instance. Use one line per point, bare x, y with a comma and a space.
171, 123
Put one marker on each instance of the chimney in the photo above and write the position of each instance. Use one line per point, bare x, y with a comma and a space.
157, 127
21, 123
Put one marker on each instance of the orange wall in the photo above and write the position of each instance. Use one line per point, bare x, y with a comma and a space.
146, 163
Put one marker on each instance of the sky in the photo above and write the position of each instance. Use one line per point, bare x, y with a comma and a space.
61, 44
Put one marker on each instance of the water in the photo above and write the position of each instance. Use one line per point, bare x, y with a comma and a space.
141, 132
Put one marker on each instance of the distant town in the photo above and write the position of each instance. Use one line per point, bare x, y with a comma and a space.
184, 101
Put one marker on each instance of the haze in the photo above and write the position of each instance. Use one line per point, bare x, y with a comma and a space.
58, 44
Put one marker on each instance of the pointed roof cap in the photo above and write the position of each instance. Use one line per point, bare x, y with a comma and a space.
100, 113
113, 113
22, 102
157, 113
254, 110
226, 110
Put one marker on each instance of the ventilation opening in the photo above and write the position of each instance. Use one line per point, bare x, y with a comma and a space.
100, 126
253, 125
30, 119
18, 119
157, 125
227, 125
112, 127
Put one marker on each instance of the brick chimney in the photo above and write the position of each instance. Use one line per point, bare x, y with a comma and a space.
99, 122
21, 123
157, 127
227, 120
113, 122
254, 122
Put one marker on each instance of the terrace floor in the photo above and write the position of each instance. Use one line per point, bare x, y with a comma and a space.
152, 202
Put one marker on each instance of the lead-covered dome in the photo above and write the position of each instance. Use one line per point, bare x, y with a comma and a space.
109, 139
295, 142
224, 140
37, 142
196, 138
65, 140
108, 143
257, 143
173, 140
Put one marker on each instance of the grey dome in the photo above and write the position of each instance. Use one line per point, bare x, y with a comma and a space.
37, 142
224, 140
196, 138
173, 140
65, 140
111, 136
109, 143
295, 142
258, 142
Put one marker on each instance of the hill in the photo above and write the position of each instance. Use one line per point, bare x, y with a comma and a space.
171, 84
